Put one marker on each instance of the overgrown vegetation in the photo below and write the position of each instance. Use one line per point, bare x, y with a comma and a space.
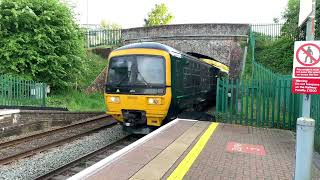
77, 101
75, 98
39, 40
317, 20
248, 65
92, 67
277, 55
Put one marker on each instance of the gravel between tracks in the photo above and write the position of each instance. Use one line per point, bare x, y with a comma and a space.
42, 163
52, 137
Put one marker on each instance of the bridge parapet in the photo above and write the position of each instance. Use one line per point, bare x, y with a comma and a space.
186, 30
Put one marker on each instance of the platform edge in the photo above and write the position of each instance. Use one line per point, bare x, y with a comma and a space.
86, 173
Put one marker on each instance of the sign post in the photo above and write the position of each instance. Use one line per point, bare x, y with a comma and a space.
306, 81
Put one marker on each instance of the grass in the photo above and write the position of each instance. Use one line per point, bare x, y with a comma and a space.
21, 101
77, 101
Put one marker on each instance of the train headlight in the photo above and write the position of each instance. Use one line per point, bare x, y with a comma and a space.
114, 99
154, 100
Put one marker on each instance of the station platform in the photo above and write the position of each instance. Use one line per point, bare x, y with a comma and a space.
189, 149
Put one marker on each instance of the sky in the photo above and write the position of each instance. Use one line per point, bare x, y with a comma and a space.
131, 13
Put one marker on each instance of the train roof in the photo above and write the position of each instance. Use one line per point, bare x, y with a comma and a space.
154, 45
148, 45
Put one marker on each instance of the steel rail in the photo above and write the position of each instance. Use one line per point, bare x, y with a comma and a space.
87, 157
45, 147
55, 130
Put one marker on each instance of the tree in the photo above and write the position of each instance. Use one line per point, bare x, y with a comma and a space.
159, 15
39, 40
291, 18
317, 20
107, 25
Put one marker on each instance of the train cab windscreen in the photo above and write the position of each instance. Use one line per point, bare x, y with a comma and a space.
136, 74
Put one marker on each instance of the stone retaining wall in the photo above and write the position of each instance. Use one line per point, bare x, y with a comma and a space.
31, 116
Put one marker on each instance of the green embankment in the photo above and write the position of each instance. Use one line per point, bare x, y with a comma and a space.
76, 99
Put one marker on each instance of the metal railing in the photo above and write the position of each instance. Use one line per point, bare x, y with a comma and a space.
272, 31
260, 103
102, 37
18, 92
96, 36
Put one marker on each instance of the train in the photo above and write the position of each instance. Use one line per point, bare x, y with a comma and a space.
148, 84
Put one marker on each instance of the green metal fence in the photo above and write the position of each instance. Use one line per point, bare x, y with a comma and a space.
260, 72
263, 103
17, 92
264, 100
102, 37
267, 103
315, 114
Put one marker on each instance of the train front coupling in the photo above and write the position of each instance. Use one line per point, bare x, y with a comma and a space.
134, 118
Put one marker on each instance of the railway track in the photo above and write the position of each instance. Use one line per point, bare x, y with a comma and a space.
27, 146
69, 169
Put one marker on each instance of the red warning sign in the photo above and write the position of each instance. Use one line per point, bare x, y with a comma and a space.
245, 148
306, 68
308, 52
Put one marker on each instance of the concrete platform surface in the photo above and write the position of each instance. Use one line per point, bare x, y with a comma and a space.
187, 149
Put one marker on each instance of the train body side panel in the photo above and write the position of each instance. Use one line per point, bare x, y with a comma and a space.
193, 83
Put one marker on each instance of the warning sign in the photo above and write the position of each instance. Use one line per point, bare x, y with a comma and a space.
306, 67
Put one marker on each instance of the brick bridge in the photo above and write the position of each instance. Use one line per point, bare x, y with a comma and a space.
223, 42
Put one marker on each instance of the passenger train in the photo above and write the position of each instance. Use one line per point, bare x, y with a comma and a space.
149, 84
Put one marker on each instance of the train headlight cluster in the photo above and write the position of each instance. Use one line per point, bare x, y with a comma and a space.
154, 101
114, 99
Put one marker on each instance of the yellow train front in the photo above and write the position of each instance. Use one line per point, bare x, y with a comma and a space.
150, 83
138, 89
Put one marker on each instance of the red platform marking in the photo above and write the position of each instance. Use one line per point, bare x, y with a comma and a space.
246, 148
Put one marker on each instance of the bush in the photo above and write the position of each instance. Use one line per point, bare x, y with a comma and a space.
92, 67
39, 40
276, 55
317, 20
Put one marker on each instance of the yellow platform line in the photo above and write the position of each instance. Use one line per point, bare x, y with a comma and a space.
187, 162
